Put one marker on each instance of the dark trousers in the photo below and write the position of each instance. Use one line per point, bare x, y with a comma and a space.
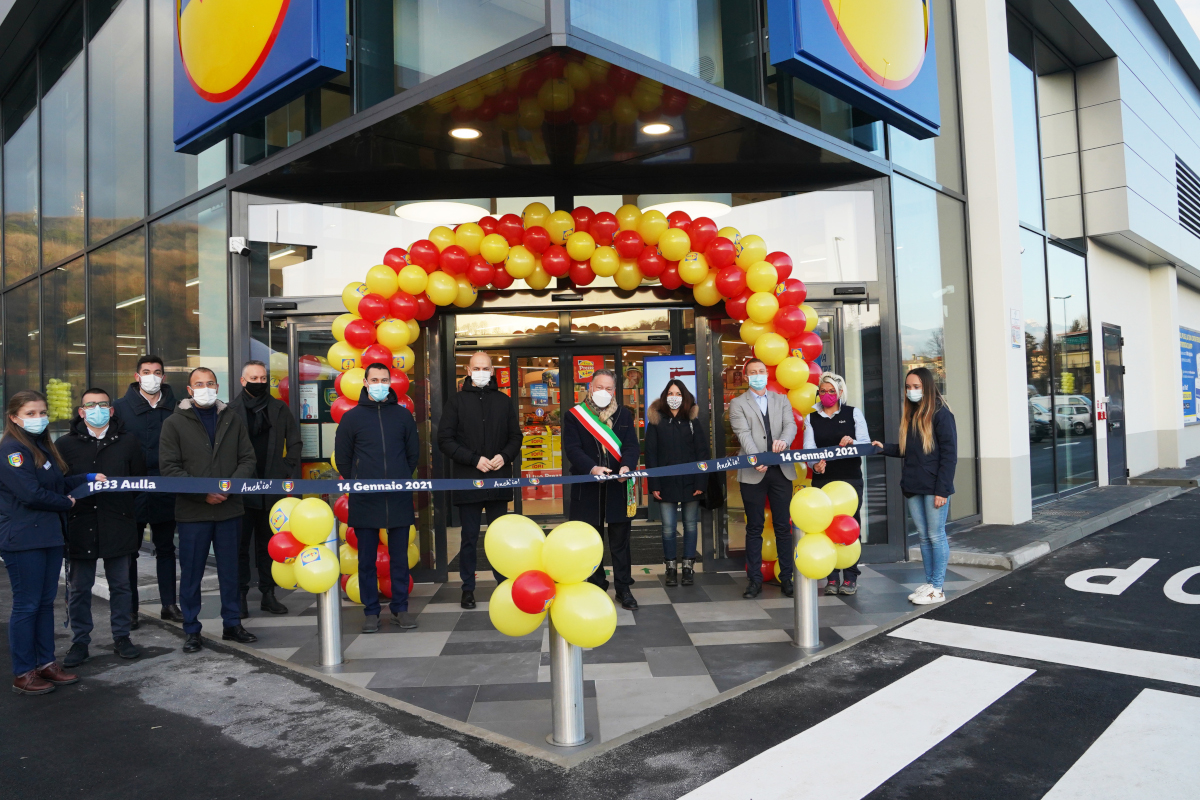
368, 577
850, 573
471, 515
163, 536
622, 560
777, 489
195, 539
81, 577
257, 527
33, 575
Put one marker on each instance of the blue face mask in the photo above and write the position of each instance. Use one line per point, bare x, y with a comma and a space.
96, 416
758, 382
35, 425
378, 391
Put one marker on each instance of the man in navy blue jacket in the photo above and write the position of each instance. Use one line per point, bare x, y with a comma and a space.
377, 439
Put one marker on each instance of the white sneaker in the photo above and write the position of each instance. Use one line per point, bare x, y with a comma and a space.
924, 588
935, 596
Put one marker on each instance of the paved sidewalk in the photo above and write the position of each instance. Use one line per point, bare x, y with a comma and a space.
1187, 477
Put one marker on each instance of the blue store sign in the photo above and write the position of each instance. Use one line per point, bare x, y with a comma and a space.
240, 59
877, 56
1189, 349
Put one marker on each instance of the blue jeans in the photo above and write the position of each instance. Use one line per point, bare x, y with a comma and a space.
368, 571
195, 538
34, 578
691, 522
931, 526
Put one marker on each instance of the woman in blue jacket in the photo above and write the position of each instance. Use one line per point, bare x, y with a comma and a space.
33, 502
929, 446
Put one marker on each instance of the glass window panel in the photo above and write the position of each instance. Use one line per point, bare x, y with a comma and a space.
22, 367
1072, 362
529, 322
302, 117
117, 309
66, 345
21, 178
1037, 365
116, 130
63, 176
655, 319
1025, 123
190, 289
933, 311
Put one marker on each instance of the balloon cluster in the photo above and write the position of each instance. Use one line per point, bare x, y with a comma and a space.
59, 403
830, 540
551, 574
297, 548
350, 558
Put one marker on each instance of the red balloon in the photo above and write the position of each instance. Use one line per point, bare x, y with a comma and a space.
602, 96
283, 547
770, 377
530, 83
425, 307
580, 273
783, 264
768, 570
621, 80
583, 112
791, 292
679, 219
628, 244
604, 227
502, 280
360, 333
480, 272
536, 239
343, 581
735, 307
511, 228
424, 254
731, 282
402, 306
385, 583
814, 373
775, 386
811, 344
789, 320
843, 529
552, 65
532, 591
507, 102
372, 308
670, 276
396, 258
487, 110
650, 262
283, 388
341, 508
376, 354
383, 560
454, 260
555, 261
351, 536
798, 442
340, 407
701, 232
720, 253
337, 383
410, 583
400, 382
310, 368
406, 402
488, 224
674, 102
583, 217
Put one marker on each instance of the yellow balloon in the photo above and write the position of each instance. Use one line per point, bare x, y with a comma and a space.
624, 112
535, 214
815, 555
628, 217
560, 225
412, 534
706, 292
810, 317
646, 99
442, 288
414, 331
312, 521
751, 331
843, 496
342, 530
812, 510
605, 262
581, 245
413, 279
520, 261
847, 555
556, 94
469, 237
352, 589
403, 359
583, 614
343, 357
339, 333
506, 617
652, 225
792, 373
466, 293
333, 463
391, 333
414, 556
281, 514
572, 552
693, 268
539, 279
750, 250
513, 544
530, 115
383, 536
577, 75
731, 234
352, 382
762, 307
762, 277
770, 551
353, 293
493, 248
284, 574
382, 280
771, 348
803, 398
442, 236
674, 244
628, 276
316, 569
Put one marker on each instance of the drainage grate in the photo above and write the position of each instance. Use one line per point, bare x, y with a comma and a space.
1187, 185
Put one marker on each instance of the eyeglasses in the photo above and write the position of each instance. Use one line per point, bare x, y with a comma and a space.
99, 404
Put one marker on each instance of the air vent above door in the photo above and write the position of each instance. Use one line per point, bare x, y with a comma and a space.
1187, 186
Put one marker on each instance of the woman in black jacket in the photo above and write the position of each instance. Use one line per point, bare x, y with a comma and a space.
929, 446
675, 436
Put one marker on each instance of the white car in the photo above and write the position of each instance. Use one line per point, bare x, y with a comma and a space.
1076, 419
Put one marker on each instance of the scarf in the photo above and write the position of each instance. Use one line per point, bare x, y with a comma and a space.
605, 414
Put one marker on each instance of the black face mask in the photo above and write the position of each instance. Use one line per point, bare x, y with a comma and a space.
257, 389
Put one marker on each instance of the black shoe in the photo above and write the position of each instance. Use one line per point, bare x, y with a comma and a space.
243, 606
371, 624
404, 620
125, 648
134, 622
78, 654
468, 599
238, 634
688, 573
270, 604
786, 583
171, 613
193, 643
672, 574
628, 602
752, 591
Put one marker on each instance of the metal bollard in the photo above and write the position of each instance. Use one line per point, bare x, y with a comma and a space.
566, 692
329, 616
804, 605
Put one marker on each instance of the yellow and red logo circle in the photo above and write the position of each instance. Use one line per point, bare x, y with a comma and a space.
223, 43
887, 39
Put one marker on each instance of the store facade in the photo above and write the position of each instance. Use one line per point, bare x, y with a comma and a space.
994, 253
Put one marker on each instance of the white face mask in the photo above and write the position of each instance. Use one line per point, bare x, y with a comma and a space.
204, 397
914, 395
674, 400
150, 383
601, 398
481, 377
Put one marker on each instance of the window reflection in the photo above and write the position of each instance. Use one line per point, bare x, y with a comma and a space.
613, 321
66, 343
63, 175
21, 178
1072, 365
22, 337
468, 325
1037, 365
1025, 123
117, 305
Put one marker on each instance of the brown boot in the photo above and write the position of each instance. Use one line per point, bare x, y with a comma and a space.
30, 683
53, 672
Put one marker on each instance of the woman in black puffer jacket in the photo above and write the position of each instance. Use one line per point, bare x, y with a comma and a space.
674, 435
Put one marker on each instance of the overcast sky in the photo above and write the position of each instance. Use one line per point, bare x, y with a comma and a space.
1191, 9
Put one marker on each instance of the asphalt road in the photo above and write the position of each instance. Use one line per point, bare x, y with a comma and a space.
996, 695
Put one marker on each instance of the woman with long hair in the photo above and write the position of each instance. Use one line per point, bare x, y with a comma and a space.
674, 435
929, 446
33, 502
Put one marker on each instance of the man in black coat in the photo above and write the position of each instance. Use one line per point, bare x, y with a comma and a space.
479, 432
377, 439
594, 432
276, 440
146, 405
102, 526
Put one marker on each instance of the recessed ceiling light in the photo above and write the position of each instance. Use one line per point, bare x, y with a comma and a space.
440, 212
656, 129
465, 133
693, 208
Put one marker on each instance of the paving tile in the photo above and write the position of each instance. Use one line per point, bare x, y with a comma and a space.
712, 612
650, 595
496, 636
401, 672
497, 692
408, 644
687, 594
534, 731
732, 665
453, 593
277, 637
667, 662
620, 651
474, 621
883, 618
424, 589
436, 622
448, 608
618, 671
873, 604
850, 631
489, 668
625, 616
740, 637
631, 704
449, 701
713, 578
360, 679
839, 615
480, 648
279, 622
771, 623
973, 573
279, 652
511, 711
723, 592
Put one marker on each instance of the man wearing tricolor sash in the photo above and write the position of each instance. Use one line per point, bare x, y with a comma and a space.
599, 439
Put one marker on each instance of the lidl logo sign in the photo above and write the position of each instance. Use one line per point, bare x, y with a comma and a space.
240, 59
287, 487
877, 55
225, 485
16, 460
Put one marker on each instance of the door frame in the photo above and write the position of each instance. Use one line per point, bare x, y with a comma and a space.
1123, 478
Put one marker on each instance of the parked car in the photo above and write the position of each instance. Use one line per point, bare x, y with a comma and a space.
1076, 419
1039, 422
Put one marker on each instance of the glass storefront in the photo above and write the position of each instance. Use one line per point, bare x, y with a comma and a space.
20, 178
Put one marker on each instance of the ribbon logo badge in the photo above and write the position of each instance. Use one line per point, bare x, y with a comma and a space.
752, 460
225, 485
289, 485
702, 466
477, 484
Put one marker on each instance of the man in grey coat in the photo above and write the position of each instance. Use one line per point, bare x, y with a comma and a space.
763, 423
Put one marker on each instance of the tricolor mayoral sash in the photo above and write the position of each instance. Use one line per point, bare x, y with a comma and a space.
609, 441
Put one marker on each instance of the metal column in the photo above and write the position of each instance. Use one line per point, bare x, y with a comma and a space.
329, 615
566, 692
804, 605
